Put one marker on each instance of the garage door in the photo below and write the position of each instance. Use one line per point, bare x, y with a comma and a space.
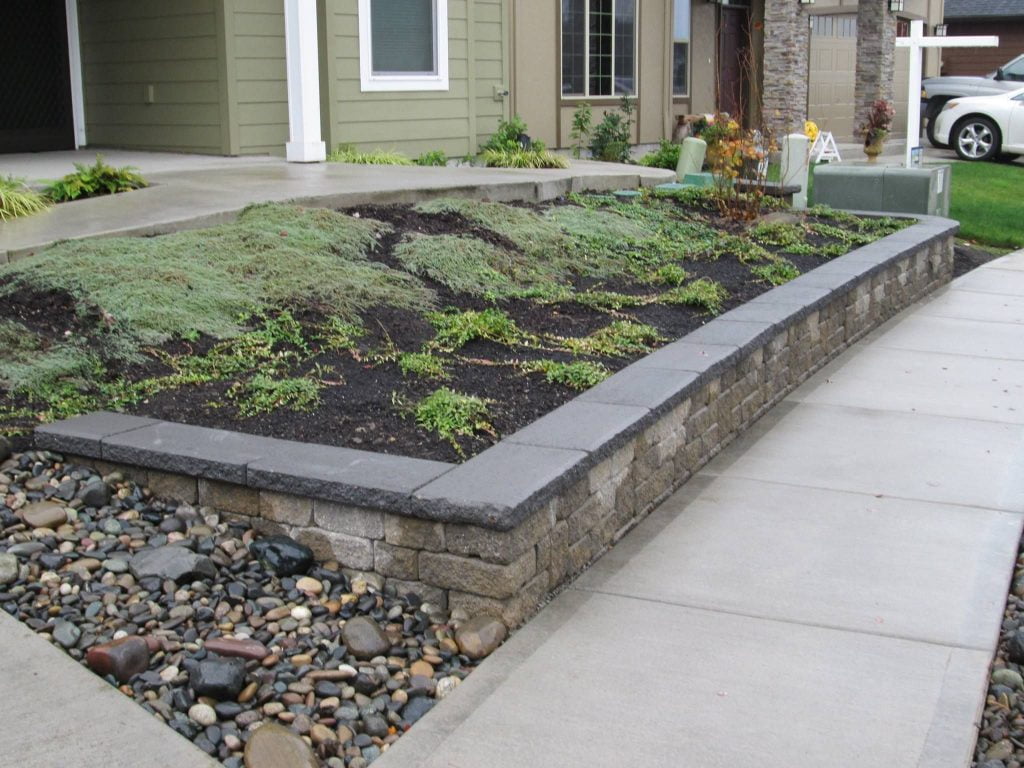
833, 73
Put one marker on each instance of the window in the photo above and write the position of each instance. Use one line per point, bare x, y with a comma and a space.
598, 47
834, 26
403, 45
681, 48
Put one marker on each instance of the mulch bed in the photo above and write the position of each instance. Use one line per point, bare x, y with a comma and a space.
358, 406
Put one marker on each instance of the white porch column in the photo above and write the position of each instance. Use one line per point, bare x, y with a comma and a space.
300, 34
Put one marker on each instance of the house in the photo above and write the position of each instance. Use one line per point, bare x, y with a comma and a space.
1004, 18
295, 77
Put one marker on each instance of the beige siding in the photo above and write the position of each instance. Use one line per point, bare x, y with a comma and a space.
454, 121
260, 76
133, 47
537, 71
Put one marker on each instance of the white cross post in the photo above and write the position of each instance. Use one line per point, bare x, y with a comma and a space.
916, 42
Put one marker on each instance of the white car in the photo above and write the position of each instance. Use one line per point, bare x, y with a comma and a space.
983, 127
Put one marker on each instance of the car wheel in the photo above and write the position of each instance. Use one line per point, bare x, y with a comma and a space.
975, 138
931, 114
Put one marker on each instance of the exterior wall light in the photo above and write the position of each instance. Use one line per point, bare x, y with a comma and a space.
941, 30
895, 5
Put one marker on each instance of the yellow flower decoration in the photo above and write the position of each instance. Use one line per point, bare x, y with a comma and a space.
811, 130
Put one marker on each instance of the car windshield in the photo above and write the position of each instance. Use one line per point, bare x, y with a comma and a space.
1015, 69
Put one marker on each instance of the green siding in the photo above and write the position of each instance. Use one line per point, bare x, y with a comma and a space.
416, 121
261, 80
217, 69
129, 45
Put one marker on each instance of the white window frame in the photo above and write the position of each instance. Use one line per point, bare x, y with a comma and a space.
689, 51
586, 59
404, 81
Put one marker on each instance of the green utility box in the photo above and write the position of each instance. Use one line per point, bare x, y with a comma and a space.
887, 189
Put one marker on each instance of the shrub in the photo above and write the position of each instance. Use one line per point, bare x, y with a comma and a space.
776, 272
451, 414
421, 364
434, 157
263, 394
16, 199
579, 375
511, 135
456, 329
620, 338
347, 153
523, 158
665, 156
669, 274
94, 180
582, 125
613, 135
704, 293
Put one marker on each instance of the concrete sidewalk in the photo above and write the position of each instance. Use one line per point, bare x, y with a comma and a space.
827, 592
207, 191
57, 714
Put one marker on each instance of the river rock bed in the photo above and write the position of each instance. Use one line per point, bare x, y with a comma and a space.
1001, 734
219, 632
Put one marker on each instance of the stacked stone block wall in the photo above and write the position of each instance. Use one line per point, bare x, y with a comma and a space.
509, 572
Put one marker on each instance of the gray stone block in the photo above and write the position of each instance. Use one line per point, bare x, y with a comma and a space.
360, 478
656, 389
685, 355
810, 297
596, 428
778, 314
82, 435
499, 487
215, 454
722, 331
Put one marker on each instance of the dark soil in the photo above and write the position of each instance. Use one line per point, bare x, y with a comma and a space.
967, 257
368, 405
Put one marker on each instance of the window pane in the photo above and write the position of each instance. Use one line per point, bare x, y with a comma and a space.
403, 36
625, 25
681, 21
680, 80
574, 47
600, 47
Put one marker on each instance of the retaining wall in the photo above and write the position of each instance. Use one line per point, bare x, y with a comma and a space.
498, 532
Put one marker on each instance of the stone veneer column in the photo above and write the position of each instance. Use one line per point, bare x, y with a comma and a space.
786, 51
876, 57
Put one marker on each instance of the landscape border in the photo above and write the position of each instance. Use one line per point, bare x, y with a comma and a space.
498, 532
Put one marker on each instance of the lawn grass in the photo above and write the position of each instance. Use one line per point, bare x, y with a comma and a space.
987, 199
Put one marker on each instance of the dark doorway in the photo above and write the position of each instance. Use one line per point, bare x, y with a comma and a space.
733, 45
35, 85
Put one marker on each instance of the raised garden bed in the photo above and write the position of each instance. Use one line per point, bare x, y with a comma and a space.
427, 331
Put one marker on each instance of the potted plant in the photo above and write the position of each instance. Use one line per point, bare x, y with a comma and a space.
876, 128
